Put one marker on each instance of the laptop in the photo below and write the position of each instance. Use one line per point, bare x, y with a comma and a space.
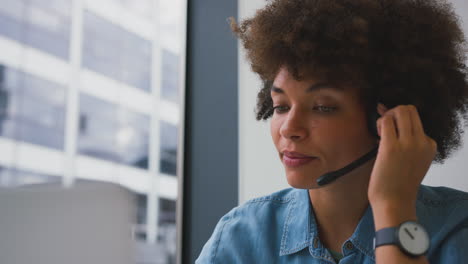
90, 223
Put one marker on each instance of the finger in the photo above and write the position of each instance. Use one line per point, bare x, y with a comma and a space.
379, 124
388, 129
381, 109
403, 122
418, 129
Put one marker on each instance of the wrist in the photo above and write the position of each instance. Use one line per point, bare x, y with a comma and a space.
391, 214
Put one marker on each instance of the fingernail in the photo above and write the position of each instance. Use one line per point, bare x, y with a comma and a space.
381, 108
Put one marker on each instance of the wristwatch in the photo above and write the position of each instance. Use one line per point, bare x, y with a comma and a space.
410, 237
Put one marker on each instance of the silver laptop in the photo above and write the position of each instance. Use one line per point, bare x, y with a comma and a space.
90, 222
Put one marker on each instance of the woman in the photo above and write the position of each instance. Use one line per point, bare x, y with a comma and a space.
363, 96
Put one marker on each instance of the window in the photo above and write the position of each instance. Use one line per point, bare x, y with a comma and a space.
167, 229
143, 8
168, 151
110, 132
32, 109
170, 76
44, 25
116, 53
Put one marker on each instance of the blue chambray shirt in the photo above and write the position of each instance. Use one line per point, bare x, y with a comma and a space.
281, 228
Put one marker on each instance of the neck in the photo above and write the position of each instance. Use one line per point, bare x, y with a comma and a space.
339, 206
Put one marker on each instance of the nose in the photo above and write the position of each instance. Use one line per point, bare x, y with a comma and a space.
294, 126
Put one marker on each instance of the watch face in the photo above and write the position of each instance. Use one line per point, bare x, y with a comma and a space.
413, 238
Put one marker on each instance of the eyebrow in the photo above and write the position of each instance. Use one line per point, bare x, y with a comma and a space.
314, 87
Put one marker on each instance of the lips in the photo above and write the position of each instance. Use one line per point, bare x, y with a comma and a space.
295, 159
292, 154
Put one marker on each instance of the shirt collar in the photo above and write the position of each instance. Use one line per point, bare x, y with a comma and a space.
363, 236
296, 232
300, 227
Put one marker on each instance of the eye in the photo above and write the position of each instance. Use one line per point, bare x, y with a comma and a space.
279, 109
324, 109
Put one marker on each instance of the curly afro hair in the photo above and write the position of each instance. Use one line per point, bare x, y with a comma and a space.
396, 52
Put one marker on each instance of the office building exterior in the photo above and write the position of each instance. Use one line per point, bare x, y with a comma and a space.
90, 90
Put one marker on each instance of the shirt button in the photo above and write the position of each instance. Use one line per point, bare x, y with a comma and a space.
349, 246
315, 242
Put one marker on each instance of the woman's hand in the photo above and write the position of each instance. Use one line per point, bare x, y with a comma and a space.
404, 157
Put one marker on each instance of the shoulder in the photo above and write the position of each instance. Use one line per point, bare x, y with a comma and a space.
440, 195
442, 207
246, 227
444, 212
262, 211
436, 204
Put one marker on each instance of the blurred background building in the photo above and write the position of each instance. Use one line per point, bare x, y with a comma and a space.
90, 90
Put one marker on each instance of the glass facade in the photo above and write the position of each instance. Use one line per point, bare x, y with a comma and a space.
168, 153
115, 52
12, 177
100, 111
170, 76
32, 109
110, 132
143, 8
167, 235
43, 25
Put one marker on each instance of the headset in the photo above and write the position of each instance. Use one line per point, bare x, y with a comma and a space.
330, 177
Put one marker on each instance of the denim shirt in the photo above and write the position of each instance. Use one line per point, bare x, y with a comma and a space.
281, 228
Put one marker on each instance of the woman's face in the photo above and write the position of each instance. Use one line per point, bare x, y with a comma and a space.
316, 128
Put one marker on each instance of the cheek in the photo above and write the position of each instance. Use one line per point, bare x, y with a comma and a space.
349, 137
331, 134
339, 135
274, 131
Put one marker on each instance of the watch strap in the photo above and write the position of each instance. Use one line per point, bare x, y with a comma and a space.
386, 236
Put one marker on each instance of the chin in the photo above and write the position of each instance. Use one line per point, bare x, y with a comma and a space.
299, 181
